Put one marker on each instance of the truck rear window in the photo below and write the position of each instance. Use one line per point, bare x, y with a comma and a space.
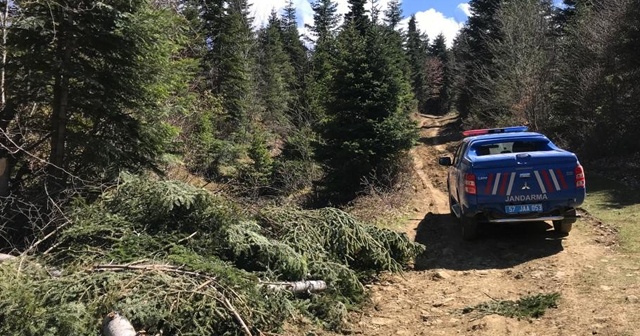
510, 147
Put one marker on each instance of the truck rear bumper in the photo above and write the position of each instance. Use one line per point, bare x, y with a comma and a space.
522, 220
491, 215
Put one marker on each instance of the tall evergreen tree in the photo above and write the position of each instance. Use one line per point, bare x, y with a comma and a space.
358, 15
227, 30
325, 25
367, 127
275, 73
591, 92
297, 54
393, 14
97, 74
416, 48
481, 27
325, 19
438, 51
291, 40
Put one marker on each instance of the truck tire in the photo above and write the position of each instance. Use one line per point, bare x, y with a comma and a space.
562, 226
565, 225
469, 228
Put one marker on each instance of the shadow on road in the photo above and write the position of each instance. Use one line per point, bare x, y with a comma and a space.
498, 246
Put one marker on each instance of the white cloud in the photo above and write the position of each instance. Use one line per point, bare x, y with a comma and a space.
433, 23
430, 21
465, 8
261, 9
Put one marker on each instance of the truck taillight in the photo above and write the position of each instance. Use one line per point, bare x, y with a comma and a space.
580, 179
470, 184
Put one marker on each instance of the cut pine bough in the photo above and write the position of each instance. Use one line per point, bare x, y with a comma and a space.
134, 251
115, 324
292, 286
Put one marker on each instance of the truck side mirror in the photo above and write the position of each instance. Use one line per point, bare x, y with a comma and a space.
444, 161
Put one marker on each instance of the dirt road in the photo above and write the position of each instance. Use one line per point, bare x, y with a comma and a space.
599, 286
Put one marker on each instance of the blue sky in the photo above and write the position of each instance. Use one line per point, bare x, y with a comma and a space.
449, 8
433, 16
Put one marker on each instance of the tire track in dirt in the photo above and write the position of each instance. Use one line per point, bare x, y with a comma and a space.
506, 263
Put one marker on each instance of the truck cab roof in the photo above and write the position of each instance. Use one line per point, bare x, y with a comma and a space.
506, 136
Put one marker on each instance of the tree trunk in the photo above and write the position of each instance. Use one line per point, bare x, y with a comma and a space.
115, 324
7, 113
5, 257
59, 115
299, 286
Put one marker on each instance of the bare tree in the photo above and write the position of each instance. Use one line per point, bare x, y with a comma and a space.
524, 59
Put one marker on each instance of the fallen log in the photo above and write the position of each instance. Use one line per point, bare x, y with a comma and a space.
5, 257
298, 286
115, 324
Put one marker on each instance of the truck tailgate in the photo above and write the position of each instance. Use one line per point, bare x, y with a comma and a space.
526, 178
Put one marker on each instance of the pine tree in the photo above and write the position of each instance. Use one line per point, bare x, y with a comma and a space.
227, 29
292, 43
97, 75
367, 128
297, 54
440, 104
324, 29
325, 19
592, 93
624, 112
275, 73
481, 28
393, 14
417, 56
358, 15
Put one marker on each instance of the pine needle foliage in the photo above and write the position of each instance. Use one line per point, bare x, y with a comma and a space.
178, 260
532, 306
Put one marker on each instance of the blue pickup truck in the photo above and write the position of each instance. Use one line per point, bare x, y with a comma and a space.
512, 175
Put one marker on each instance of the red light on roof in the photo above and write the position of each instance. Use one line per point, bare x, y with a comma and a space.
475, 132
495, 130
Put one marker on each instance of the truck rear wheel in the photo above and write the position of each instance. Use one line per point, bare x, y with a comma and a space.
565, 225
562, 226
469, 228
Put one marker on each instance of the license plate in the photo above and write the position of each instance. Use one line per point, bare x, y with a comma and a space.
523, 208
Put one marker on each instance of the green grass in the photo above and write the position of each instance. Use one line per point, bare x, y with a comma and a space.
616, 205
533, 306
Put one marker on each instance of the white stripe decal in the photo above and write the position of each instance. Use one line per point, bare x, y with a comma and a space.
496, 183
555, 180
513, 177
542, 188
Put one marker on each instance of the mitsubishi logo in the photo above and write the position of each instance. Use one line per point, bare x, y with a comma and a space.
526, 186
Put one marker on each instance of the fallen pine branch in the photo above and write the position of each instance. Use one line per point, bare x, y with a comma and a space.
298, 286
236, 316
137, 266
149, 267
